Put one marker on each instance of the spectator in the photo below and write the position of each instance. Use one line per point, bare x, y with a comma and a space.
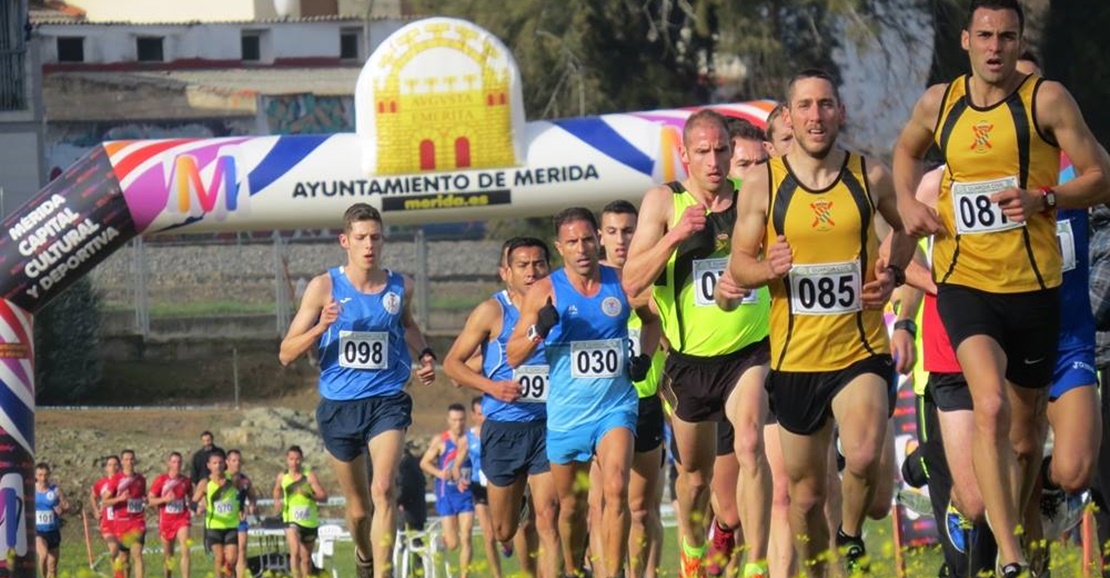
200, 458
1100, 303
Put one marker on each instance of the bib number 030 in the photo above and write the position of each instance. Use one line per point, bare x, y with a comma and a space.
827, 289
597, 359
363, 349
533, 380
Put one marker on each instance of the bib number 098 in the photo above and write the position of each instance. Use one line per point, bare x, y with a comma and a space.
363, 349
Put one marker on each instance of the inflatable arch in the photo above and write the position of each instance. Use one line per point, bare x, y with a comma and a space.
441, 136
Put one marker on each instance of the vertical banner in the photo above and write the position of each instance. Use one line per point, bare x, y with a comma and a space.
17, 442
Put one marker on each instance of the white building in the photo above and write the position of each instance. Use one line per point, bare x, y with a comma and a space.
21, 131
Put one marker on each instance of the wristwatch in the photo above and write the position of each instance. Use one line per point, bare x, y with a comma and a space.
428, 351
898, 273
534, 335
908, 325
1049, 197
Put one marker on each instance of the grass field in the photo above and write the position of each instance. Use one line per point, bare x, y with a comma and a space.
918, 562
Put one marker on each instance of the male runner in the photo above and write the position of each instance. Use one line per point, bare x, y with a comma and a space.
248, 499
170, 493
718, 360
103, 489
360, 317
806, 227
514, 436
129, 507
223, 510
50, 503
645, 493
296, 493
581, 314
779, 135
479, 492
1001, 133
448, 462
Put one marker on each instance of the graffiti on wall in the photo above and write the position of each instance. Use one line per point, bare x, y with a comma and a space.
309, 114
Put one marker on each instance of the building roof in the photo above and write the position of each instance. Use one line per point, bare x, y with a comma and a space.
53, 11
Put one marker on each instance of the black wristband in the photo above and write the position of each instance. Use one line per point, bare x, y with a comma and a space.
898, 273
428, 351
908, 325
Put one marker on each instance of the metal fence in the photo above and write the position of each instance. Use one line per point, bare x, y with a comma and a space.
247, 285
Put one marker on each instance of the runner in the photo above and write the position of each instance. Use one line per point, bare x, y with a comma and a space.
248, 499
717, 362
808, 228
581, 314
223, 511
50, 503
170, 493
514, 438
779, 136
129, 508
360, 317
102, 490
447, 461
296, 493
479, 492
1001, 133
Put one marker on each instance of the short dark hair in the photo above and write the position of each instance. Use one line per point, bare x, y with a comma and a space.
574, 214
125, 452
234, 451
806, 74
1031, 56
1014, 5
172, 454
771, 118
741, 128
476, 400
217, 453
43, 466
703, 116
456, 407
110, 458
359, 212
523, 243
207, 433
620, 207
295, 448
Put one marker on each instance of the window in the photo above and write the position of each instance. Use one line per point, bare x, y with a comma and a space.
349, 44
251, 43
71, 49
149, 49
13, 71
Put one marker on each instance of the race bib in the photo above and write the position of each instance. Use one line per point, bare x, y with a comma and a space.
707, 272
633, 342
175, 507
975, 212
1066, 237
363, 349
825, 289
44, 517
223, 508
134, 506
300, 513
109, 514
597, 359
533, 380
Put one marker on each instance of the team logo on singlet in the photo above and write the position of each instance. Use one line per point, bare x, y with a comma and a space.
611, 306
722, 243
982, 136
822, 215
392, 303
50, 495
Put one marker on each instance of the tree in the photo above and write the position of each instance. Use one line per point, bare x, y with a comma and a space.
67, 339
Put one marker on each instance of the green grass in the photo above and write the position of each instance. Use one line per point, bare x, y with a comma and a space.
919, 562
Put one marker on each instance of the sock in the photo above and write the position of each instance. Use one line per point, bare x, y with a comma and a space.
756, 569
692, 552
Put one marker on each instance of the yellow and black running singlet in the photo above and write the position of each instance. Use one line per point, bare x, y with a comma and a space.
692, 322
817, 318
988, 150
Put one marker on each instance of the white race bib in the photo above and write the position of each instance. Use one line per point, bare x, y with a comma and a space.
533, 380
975, 212
134, 506
707, 272
1066, 237
825, 289
44, 517
363, 349
223, 507
633, 341
602, 358
175, 506
300, 513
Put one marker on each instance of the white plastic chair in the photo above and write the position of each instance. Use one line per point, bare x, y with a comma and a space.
325, 545
422, 546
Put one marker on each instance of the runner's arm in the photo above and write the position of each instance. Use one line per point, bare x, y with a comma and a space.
651, 245
63, 503
902, 246
319, 493
427, 463
651, 330
307, 325
479, 326
744, 263
199, 495
1062, 120
914, 142
277, 494
520, 347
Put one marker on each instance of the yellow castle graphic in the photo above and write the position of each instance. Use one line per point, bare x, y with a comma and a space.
442, 122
